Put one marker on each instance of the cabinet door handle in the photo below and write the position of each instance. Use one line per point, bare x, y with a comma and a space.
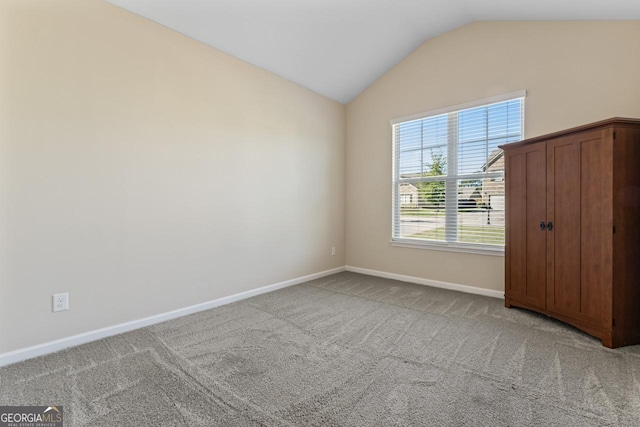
550, 226
543, 226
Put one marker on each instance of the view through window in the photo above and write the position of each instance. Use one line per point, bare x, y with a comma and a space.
449, 174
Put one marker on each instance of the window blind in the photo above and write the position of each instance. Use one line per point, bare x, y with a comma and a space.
448, 173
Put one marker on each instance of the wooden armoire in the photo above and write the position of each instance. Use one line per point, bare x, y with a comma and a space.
572, 248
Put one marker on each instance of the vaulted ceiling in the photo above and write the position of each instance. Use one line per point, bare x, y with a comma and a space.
339, 47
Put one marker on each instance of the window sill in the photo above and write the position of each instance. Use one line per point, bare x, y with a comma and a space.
449, 247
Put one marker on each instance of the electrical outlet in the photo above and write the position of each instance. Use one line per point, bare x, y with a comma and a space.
61, 302
333, 251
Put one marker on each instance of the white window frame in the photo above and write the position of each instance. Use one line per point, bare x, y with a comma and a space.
451, 180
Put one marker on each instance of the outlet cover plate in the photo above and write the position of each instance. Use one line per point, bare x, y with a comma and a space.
61, 302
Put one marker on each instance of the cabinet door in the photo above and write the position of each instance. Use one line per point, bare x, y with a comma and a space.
579, 194
525, 250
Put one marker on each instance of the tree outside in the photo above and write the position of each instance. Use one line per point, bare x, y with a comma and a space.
432, 194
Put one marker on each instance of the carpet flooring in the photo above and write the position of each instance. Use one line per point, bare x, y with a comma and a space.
344, 350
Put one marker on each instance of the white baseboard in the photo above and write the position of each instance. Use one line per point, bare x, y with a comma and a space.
75, 340
72, 341
428, 282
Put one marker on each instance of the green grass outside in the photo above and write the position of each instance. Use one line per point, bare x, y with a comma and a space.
467, 234
422, 212
433, 212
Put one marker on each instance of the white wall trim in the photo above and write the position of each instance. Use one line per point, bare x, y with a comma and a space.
75, 340
428, 282
447, 247
466, 105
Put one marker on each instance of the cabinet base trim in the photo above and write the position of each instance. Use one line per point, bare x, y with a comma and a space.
604, 334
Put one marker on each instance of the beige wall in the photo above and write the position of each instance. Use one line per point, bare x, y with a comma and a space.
574, 73
142, 171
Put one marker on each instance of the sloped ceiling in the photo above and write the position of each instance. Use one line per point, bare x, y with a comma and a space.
339, 47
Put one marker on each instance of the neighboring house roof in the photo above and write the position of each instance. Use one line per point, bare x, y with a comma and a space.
495, 162
407, 187
469, 193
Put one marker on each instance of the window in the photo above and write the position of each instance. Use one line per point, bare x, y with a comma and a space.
405, 198
450, 164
